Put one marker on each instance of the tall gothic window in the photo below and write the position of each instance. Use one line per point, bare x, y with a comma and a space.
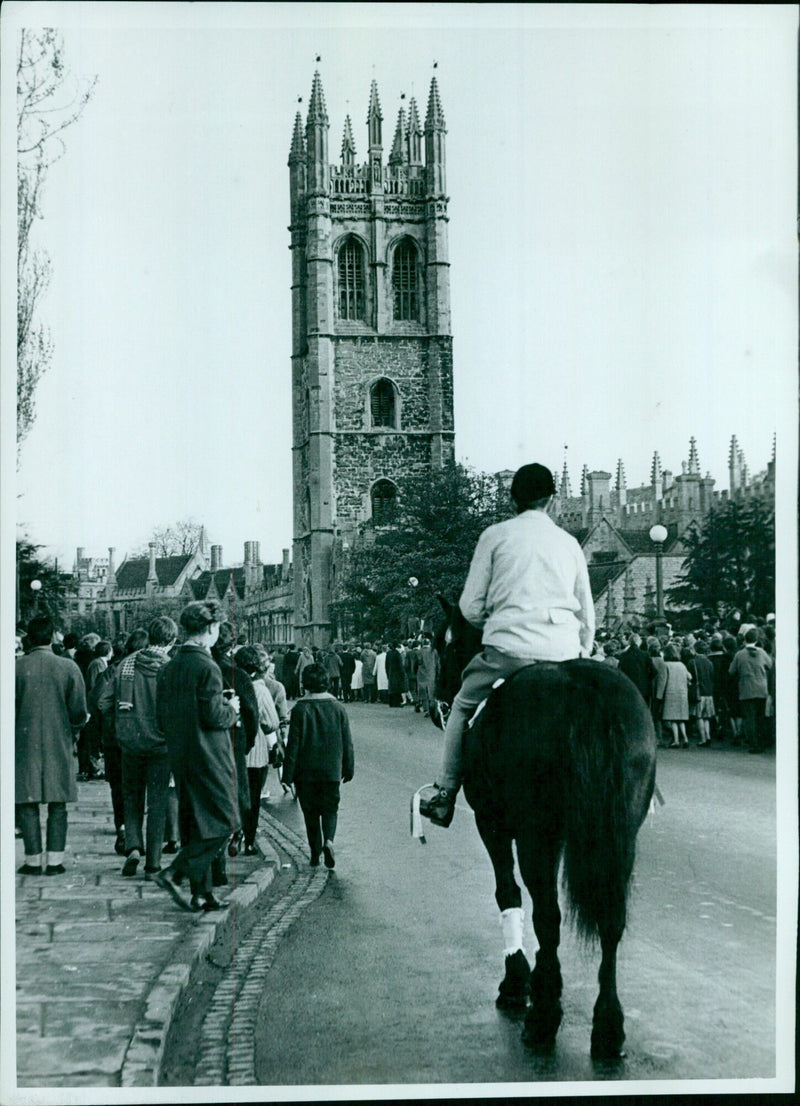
351, 281
405, 281
384, 502
383, 408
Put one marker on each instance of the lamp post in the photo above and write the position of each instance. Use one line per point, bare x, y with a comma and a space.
658, 535
411, 623
36, 587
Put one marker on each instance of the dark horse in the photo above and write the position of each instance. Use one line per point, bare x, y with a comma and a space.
562, 762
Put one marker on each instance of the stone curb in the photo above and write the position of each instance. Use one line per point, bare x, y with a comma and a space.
144, 1056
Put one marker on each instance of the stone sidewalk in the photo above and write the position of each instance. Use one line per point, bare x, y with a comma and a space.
101, 960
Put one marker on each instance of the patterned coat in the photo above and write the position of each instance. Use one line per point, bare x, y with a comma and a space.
50, 706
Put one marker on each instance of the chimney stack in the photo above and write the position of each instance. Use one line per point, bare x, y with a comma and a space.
251, 556
216, 558
151, 574
251, 562
285, 565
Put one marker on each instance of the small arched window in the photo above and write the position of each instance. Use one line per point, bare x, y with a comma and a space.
405, 281
384, 502
382, 404
351, 281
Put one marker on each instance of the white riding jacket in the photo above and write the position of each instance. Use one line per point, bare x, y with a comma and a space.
528, 590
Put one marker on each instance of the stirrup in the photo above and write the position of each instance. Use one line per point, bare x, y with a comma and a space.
440, 807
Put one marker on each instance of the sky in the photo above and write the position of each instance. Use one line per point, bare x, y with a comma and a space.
622, 242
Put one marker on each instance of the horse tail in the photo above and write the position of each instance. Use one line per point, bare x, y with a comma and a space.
607, 793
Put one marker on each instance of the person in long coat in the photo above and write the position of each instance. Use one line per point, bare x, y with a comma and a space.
243, 735
381, 679
289, 681
348, 662
395, 676
638, 667
427, 674
676, 697
50, 699
196, 720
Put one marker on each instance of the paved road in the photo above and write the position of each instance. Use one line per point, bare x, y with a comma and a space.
390, 976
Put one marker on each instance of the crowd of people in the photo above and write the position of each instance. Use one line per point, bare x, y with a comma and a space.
184, 734
397, 673
714, 685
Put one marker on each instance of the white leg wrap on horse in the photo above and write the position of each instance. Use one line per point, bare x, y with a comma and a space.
511, 921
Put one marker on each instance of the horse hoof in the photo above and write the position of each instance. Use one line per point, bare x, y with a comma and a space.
515, 985
607, 1051
541, 1026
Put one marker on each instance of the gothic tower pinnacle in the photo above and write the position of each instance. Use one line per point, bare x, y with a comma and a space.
414, 134
693, 467
435, 130
317, 139
622, 488
399, 154
374, 130
348, 145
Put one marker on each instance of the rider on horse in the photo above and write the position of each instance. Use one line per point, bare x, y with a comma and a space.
528, 590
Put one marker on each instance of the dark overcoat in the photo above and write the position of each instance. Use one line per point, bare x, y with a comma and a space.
638, 667
243, 734
50, 706
196, 721
395, 672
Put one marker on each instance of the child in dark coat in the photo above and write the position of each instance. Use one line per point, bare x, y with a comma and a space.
319, 754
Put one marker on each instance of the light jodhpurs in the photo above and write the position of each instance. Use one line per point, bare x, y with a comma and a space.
477, 680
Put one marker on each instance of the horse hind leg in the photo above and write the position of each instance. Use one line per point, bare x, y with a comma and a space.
608, 1033
539, 865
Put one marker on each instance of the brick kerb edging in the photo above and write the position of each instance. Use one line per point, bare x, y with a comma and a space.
145, 1053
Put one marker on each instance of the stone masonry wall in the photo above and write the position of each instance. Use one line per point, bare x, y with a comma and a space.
403, 360
362, 455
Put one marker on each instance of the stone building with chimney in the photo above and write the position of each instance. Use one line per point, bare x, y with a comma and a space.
254, 596
372, 373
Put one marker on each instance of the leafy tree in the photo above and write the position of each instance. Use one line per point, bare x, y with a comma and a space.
431, 540
731, 560
178, 539
49, 99
57, 586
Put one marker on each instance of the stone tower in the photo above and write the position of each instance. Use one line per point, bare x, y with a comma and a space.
372, 371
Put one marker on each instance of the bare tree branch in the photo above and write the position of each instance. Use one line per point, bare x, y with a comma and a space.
180, 538
49, 99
